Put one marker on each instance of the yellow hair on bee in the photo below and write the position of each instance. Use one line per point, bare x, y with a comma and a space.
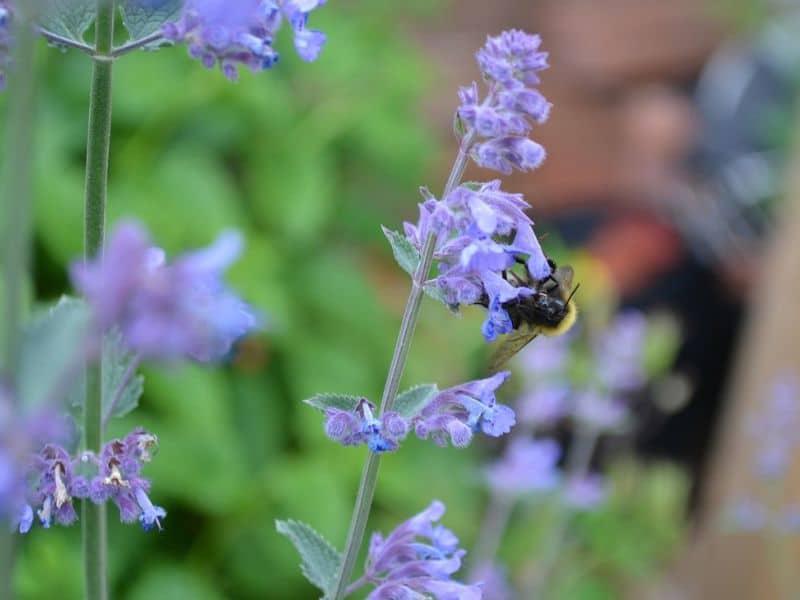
566, 323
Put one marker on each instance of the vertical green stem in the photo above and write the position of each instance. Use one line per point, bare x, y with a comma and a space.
369, 475
97, 151
16, 229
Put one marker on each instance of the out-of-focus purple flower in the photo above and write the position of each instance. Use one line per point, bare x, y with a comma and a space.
235, 33
56, 486
619, 352
361, 426
776, 429
493, 580
165, 311
6, 17
747, 516
499, 124
120, 466
599, 412
585, 493
417, 560
20, 437
528, 466
544, 405
456, 413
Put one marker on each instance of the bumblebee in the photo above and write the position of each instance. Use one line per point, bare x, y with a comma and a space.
549, 311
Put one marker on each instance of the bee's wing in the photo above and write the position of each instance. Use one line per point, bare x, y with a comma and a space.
563, 275
513, 343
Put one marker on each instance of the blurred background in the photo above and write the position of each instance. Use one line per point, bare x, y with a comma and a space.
664, 186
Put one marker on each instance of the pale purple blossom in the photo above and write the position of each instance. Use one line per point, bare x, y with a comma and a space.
494, 582
165, 311
545, 404
417, 560
56, 486
598, 411
585, 493
361, 426
119, 479
456, 413
528, 466
619, 352
235, 33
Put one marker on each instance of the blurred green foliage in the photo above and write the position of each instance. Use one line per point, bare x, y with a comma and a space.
307, 161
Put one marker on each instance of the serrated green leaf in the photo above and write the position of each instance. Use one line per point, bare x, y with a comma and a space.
143, 17
68, 18
411, 401
406, 255
321, 561
122, 388
51, 357
341, 401
119, 396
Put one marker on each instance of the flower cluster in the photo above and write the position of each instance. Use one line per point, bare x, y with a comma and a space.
242, 32
453, 415
776, 437
417, 560
528, 466
497, 126
480, 233
56, 483
6, 16
165, 311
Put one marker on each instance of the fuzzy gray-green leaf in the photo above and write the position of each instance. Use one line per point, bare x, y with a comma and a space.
68, 18
414, 399
320, 560
340, 401
143, 17
406, 255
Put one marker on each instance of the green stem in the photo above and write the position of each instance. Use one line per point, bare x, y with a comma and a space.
369, 475
15, 244
97, 150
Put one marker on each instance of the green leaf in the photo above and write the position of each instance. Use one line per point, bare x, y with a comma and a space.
68, 18
410, 402
118, 364
341, 401
406, 255
51, 361
143, 17
321, 561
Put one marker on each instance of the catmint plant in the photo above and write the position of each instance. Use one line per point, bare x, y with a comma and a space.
82, 356
470, 236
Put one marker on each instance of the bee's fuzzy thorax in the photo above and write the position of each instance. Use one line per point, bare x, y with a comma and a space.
566, 323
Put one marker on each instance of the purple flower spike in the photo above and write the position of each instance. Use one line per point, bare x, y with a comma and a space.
456, 413
165, 311
585, 493
241, 32
120, 465
512, 59
362, 427
417, 560
529, 466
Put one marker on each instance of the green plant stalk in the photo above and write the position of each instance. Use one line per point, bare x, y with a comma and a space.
98, 143
16, 233
369, 475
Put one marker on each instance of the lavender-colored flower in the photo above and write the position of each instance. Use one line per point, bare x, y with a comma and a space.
544, 405
235, 33
417, 560
498, 125
747, 516
528, 466
481, 232
619, 350
6, 41
458, 412
777, 429
119, 479
165, 311
600, 412
56, 487
361, 426
585, 493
